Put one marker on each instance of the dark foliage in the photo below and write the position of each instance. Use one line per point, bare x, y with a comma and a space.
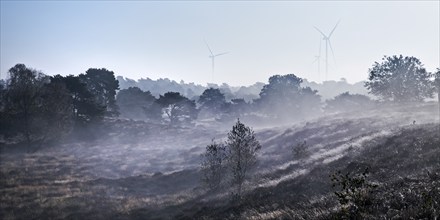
23, 101
284, 98
103, 85
399, 79
85, 108
353, 191
346, 102
178, 108
39, 108
437, 85
212, 102
242, 147
136, 104
213, 165
56, 110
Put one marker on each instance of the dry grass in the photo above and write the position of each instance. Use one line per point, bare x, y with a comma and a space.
112, 177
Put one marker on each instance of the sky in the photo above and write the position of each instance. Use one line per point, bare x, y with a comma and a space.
166, 39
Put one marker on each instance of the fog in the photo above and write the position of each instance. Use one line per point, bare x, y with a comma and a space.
274, 142
135, 165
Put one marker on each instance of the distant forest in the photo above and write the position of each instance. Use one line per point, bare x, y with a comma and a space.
327, 89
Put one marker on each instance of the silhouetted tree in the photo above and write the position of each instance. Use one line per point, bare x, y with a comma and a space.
437, 85
437, 79
56, 111
242, 147
84, 105
2, 86
137, 104
23, 99
399, 79
2, 100
281, 86
284, 96
6, 127
212, 102
348, 102
103, 85
178, 108
213, 165
212, 99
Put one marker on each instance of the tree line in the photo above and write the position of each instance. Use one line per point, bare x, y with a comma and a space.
37, 107
396, 79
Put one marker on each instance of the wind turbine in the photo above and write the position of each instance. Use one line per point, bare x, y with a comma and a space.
327, 44
212, 56
318, 58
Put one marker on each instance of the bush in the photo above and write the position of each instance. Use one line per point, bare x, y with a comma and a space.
353, 193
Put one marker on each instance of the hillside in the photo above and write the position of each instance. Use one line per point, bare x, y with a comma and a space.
403, 164
137, 170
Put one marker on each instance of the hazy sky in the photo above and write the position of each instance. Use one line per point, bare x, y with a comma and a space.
166, 39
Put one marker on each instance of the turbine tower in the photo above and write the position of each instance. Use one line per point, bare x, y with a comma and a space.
212, 56
326, 38
318, 59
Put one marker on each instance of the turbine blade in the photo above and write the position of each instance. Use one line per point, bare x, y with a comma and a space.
331, 48
333, 29
209, 48
320, 32
221, 54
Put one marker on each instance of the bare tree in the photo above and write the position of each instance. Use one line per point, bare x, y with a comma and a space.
242, 148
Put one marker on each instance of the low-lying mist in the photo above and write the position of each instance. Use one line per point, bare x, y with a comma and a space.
78, 148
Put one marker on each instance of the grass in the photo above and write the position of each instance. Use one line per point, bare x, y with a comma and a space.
131, 172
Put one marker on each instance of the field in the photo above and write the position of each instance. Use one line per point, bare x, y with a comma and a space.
137, 170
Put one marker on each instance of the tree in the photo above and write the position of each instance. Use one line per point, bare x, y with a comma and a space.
35, 105
212, 100
399, 79
284, 97
242, 147
56, 111
348, 102
178, 108
437, 85
136, 104
286, 85
103, 85
213, 165
23, 98
4, 118
84, 105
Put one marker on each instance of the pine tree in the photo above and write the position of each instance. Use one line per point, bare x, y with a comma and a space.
242, 147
